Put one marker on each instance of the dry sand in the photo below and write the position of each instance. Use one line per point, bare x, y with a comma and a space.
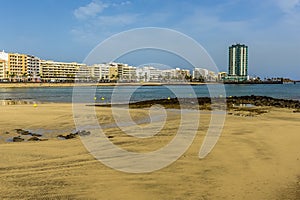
255, 158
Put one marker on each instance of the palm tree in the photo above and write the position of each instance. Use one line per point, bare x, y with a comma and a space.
11, 76
24, 77
7, 74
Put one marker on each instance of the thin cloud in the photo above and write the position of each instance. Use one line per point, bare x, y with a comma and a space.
90, 10
92, 20
291, 12
124, 3
95, 8
117, 20
288, 6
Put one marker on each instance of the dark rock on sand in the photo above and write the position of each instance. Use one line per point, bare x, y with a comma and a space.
34, 138
23, 132
36, 134
69, 136
263, 101
83, 133
17, 139
74, 135
205, 103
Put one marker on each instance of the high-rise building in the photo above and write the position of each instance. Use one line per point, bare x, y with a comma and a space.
238, 61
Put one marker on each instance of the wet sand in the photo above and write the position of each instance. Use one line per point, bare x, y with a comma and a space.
256, 157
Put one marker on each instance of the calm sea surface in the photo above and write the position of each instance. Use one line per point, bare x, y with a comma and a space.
104, 94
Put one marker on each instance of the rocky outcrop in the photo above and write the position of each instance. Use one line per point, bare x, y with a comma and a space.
263, 101
74, 135
205, 102
83, 133
17, 139
67, 137
23, 132
34, 136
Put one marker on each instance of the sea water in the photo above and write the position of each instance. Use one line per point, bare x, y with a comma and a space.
104, 94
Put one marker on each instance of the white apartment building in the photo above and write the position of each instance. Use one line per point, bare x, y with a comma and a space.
212, 77
100, 72
169, 74
176, 74
3, 66
3, 56
33, 68
148, 74
200, 73
206, 75
3, 70
84, 73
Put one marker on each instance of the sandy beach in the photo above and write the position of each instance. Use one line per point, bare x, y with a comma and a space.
256, 157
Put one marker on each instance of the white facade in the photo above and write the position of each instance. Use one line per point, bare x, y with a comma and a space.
148, 74
102, 72
3, 65
199, 72
206, 75
3, 70
3, 56
33, 68
212, 77
169, 74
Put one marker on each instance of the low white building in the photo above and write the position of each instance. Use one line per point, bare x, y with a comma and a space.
3, 56
204, 74
3, 66
100, 72
33, 68
199, 73
148, 74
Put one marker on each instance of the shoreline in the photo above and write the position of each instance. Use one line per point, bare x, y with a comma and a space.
203, 102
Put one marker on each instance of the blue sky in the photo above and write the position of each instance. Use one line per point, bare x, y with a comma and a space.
67, 30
